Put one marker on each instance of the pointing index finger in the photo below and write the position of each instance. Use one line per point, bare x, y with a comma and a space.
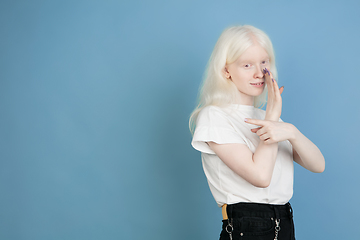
255, 121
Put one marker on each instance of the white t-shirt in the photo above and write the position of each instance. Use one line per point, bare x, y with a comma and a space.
226, 125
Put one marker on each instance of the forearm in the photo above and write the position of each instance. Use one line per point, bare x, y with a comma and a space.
256, 168
264, 160
307, 154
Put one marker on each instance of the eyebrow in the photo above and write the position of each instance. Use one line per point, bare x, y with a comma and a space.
248, 60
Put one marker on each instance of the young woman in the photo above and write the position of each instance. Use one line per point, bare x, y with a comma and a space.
248, 153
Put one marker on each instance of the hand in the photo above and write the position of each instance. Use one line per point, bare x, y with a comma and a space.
274, 103
272, 131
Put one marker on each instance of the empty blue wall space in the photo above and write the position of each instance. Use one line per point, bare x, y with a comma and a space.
95, 98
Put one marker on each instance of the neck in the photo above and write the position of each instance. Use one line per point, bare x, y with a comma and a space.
245, 99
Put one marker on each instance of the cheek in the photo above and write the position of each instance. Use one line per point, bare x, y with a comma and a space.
239, 73
238, 78
268, 66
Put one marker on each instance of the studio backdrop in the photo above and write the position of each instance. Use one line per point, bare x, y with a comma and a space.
95, 98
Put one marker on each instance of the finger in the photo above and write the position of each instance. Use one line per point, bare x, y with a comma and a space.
268, 141
268, 80
269, 86
264, 137
266, 75
281, 90
261, 131
254, 130
255, 121
272, 87
276, 89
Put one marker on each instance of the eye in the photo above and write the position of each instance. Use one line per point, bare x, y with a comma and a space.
247, 65
264, 62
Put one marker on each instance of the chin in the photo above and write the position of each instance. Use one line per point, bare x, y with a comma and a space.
258, 93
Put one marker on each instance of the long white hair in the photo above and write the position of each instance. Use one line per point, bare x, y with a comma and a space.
216, 88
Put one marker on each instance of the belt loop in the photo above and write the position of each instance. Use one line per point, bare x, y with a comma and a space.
277, 213
229, 211
292, 221
290, 209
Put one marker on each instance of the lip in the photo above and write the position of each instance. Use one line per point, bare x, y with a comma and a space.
259, 84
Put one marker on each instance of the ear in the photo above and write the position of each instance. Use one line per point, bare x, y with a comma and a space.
226, 73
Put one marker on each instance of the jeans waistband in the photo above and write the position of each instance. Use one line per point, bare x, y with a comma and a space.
239, 210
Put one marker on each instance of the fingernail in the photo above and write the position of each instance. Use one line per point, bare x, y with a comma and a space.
272, 79
246, 119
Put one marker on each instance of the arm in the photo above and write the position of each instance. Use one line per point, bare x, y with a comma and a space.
256, 168
306, 153
271, 131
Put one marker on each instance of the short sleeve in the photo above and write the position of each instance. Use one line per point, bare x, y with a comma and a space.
214, 125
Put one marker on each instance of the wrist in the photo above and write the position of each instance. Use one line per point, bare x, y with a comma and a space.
272, 118
294, 132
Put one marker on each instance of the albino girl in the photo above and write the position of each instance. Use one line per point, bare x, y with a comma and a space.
248, 153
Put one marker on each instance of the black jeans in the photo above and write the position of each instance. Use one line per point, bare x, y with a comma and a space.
256, 221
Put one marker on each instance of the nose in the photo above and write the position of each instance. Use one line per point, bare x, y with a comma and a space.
258, 72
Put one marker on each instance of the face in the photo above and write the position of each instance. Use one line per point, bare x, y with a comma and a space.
246, 73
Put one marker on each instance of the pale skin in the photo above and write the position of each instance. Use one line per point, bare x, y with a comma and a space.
249, 76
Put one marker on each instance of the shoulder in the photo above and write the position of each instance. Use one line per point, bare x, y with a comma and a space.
212, 114
212, 109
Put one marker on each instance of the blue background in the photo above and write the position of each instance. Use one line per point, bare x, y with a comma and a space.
95, 98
